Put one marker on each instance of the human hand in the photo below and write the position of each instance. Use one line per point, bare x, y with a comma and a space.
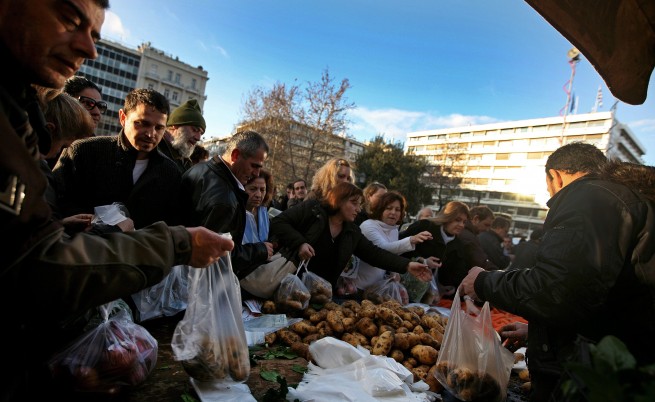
305, 252
514, 335
78, 223
126, 225
269, 248
420, 237
207, 246
466, 288
420, 271
433, 262
471, 308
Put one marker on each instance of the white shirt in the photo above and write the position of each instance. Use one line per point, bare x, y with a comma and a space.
139, 168
386, 237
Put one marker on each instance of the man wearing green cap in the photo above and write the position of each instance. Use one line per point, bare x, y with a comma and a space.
184, 128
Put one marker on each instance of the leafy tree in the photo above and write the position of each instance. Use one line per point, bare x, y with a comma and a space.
388, 164
445, 176
301, 125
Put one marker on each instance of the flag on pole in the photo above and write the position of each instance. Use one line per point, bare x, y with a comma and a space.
599, 96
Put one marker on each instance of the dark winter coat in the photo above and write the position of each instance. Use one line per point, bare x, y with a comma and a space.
307, 223
454, 265
98, 171
589, 278
211, 197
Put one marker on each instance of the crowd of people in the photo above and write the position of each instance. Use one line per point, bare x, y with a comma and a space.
593, 259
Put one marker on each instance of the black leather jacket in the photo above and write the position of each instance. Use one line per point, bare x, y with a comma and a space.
598, 236
211, 197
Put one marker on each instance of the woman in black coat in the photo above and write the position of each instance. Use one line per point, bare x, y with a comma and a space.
325, 233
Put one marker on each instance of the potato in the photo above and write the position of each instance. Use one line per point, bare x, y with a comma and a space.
369, 312
397, 355
414, 339
317, 317
526, 387
524, 375
431, 321
425, 354
367, 303
288, 337
348, 312
362, 339
390, 317
311, 338
384, 328
428, 340
418, 330
270, 339
384, 343
431, 380
416, 310
367, 327
302, 350
408, 365
401, 341
349, 324
351, 339
269, 307
436, 335
324, 329
419, 373
352, 305
303, 328
335, 320
331, 306
411, 361
402, 330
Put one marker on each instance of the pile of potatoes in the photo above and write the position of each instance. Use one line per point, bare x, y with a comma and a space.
407, 334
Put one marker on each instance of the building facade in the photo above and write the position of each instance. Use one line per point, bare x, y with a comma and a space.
120, 69
501, 165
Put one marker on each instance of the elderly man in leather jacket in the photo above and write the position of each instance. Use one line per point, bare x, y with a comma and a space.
214, 196
594, 271
46, 277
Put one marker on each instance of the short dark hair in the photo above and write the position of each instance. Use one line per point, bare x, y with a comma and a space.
77, 83
144, 96
386, 199
500, 223
340, 193
577, 157
482, 212
248, 142
297, 180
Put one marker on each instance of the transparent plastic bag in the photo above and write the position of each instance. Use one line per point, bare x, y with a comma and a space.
416, 288
117, 353
210, 340
292, 295
166, 298
320, 290
345, 286
432, 296
472, 362
386, 289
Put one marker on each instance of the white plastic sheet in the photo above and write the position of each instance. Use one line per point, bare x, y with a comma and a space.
345, 373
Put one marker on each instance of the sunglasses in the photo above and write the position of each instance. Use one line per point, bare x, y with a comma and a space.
90, 103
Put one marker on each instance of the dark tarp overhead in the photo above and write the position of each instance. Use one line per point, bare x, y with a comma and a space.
616, 36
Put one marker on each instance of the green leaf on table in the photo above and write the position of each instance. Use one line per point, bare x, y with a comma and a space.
269, 375
299, 369
188, 398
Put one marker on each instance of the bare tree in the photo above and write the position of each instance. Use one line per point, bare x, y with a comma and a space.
300, 126
445, 173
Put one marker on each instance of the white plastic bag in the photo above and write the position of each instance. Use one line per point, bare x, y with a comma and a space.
166, 298
210, 340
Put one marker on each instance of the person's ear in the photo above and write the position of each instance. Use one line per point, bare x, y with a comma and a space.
52, 129
122, 117
558, 180
235, 155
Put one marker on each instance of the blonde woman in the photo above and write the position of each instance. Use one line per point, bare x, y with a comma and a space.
334, 171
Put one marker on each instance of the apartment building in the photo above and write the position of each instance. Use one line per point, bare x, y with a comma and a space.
119, 69
501, 165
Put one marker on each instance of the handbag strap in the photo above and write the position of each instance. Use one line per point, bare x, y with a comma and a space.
303, 264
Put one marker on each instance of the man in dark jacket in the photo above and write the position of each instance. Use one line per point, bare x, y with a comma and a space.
185, 128
590, 278
481, 219
213, 196
127, 168
492, 240
46, 277
525, 254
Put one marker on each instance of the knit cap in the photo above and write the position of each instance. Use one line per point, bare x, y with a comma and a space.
187, 114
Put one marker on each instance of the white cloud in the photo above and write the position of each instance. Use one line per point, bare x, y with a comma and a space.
394, 124
643, 125
113, 27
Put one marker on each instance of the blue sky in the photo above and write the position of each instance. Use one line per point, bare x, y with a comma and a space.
412, 64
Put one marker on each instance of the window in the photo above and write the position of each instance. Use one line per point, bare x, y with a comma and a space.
153, 69
175, 95
502, 157
432, 138
178, 77
151, 86
193, 83
507, 131
170, 75
167, 93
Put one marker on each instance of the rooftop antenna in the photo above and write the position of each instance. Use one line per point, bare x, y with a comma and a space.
574, 58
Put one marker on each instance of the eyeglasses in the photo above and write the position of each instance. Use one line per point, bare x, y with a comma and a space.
90, 103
